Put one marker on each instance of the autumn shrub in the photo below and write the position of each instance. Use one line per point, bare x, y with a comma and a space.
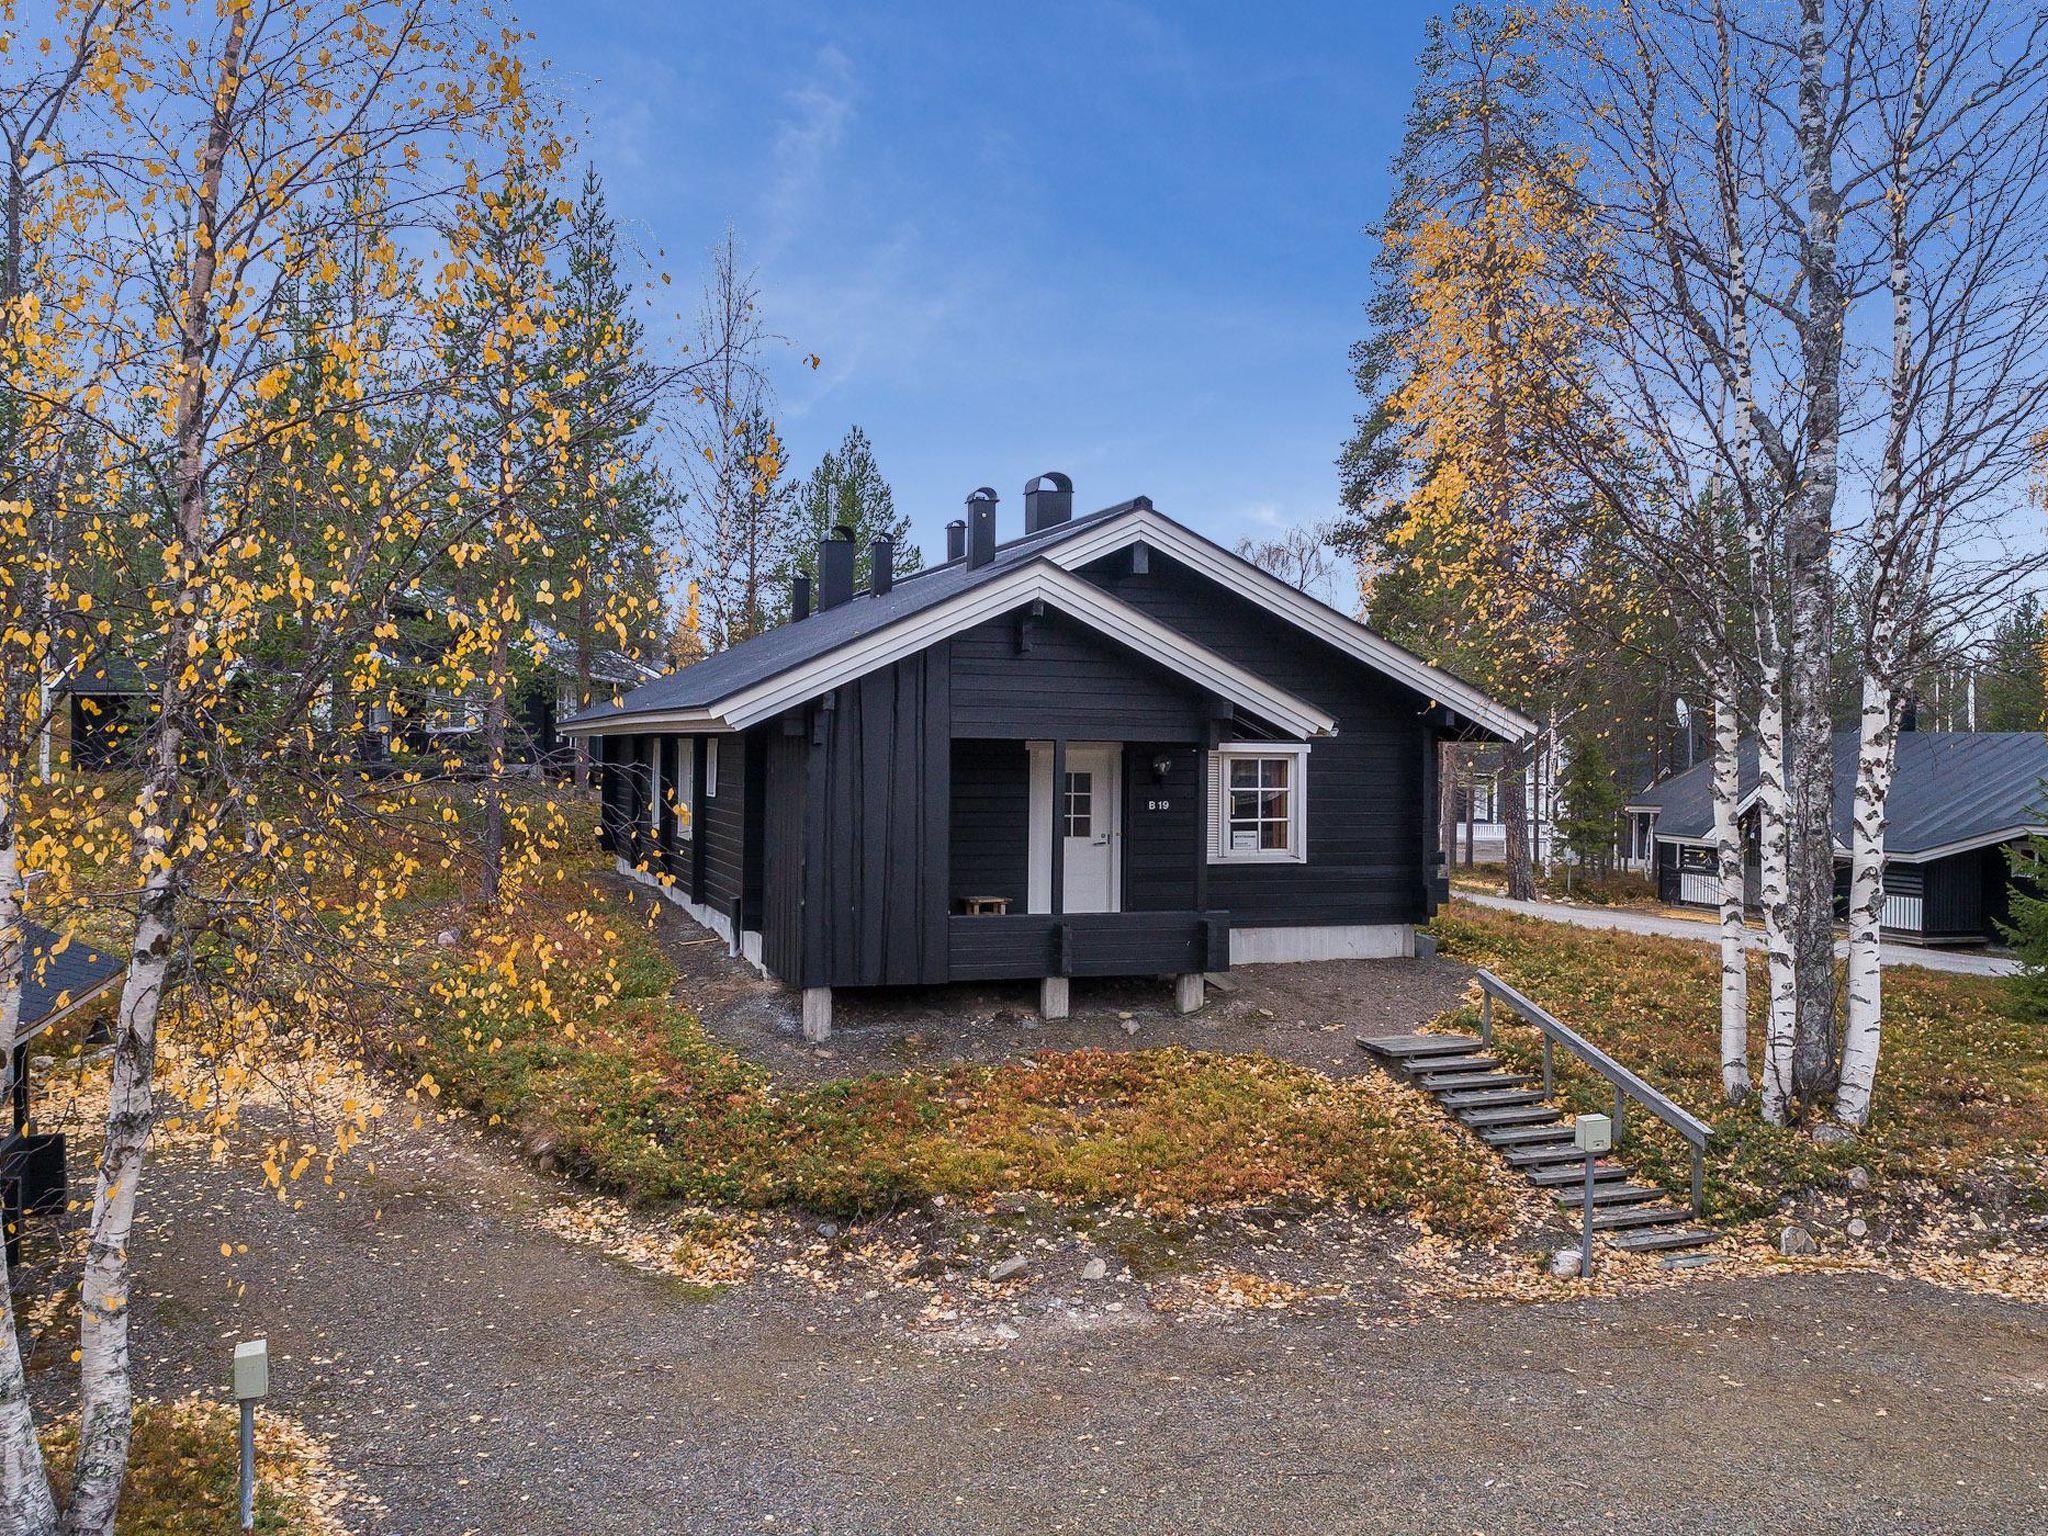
1962, 1083
558, 1020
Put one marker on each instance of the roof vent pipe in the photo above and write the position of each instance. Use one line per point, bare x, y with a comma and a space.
799, 596
981, 527
881, 565
835, 568
1048, 501
956, 539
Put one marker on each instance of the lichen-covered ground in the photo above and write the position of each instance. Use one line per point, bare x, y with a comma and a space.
477, 1370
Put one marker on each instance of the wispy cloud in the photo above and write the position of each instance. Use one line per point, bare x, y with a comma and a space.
817, 111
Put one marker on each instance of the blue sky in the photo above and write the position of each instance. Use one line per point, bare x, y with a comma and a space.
1120, 240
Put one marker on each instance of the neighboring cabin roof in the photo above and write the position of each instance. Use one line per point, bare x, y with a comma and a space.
1952, 791
53, 983
736, 687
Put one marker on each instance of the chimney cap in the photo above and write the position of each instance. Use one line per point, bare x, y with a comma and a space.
1051, 480
843, 532
982, 493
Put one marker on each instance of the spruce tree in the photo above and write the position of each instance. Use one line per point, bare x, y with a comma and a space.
846, 490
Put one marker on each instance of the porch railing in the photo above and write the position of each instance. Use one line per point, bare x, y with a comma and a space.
1627, 1085
1017, 945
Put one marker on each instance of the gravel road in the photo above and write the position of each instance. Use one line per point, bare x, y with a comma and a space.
480, 1375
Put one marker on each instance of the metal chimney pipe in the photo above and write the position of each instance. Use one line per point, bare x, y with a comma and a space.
881, 565
799, 596
981, 527
835, 568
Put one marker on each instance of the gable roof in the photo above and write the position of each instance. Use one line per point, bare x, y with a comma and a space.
57, 978
721, 689
734, 697
1952, 791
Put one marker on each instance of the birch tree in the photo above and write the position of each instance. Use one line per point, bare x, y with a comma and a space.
1958, 205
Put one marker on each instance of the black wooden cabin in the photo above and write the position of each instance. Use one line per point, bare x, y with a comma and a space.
1959, 801
1105, 747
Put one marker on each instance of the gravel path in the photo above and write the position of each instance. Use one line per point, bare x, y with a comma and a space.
480, 1375
1622, 920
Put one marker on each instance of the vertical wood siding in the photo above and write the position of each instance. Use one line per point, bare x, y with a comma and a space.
1365, 785
991, 821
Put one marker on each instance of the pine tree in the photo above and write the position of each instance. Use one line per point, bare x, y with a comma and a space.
1462, 470
602, 529
2010, 691
846, 490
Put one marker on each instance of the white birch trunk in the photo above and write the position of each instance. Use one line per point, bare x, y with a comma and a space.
106, 1393
105, 1385
1876, 757
26, 1505
1735, 1081
1773, 871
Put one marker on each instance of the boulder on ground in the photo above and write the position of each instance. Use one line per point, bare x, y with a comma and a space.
1797, 1243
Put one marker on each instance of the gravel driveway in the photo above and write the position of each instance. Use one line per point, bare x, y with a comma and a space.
480, 1375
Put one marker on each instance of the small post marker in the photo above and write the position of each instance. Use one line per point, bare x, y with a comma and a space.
1592, 1135
252, 1385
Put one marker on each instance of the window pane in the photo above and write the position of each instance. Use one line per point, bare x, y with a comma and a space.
1244, 804
1273, 834
1080, 806
1244, 772
1275, 804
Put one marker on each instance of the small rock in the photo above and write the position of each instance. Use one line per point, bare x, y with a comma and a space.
1130, 1026
1006, 1333
1859, 1228
1125, 1017
1859, 1178
1828, 1134
448, 938
42, 1063
1094, 1269
1003, 1269
1565, 1263
1797, 1243
1011, 1203
828, 1229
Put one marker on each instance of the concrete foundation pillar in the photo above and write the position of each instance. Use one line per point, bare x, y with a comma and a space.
1187, 992
817, 1013
1053, 997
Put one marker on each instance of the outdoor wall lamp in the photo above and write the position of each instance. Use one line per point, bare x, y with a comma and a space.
1162, 765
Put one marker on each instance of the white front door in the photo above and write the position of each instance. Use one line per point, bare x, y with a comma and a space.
1087, 808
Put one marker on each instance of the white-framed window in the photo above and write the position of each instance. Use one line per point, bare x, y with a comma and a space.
711, 768
1258, 803
685, 788
654, 801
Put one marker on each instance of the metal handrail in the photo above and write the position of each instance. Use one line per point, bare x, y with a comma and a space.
1627, 1085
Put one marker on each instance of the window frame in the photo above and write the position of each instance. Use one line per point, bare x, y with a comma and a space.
683, 790
1295, 755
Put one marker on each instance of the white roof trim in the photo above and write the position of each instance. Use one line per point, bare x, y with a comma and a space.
1967, 844
684, 722
1270, 592
1036, 580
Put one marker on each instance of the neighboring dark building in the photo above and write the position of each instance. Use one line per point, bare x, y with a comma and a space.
1959, 799
1106, 747
57, 979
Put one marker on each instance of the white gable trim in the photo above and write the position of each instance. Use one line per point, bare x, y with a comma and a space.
1039, 580
1270, 592
685, 722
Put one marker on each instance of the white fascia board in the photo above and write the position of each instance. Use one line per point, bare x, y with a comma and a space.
1270, 592
679, 722
1039, 580
1969, 844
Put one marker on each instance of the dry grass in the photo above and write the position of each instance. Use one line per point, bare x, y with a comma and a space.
625, 1088
1963, 1083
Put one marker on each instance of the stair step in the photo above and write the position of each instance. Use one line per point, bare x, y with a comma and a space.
1492, 1098
1519, 1114
1608, 1194
1560, 1154
1435, 1064
1407, 1048
1453, 1082
1558, 1175
1663, 1240
1641, 1216
1510, 1138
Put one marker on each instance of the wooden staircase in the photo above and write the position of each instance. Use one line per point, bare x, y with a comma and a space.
1508, 1112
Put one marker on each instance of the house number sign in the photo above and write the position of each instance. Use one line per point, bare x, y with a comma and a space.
1158, 805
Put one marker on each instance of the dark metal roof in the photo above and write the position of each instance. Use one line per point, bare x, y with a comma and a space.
1950, 787
790, 645
53, 983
